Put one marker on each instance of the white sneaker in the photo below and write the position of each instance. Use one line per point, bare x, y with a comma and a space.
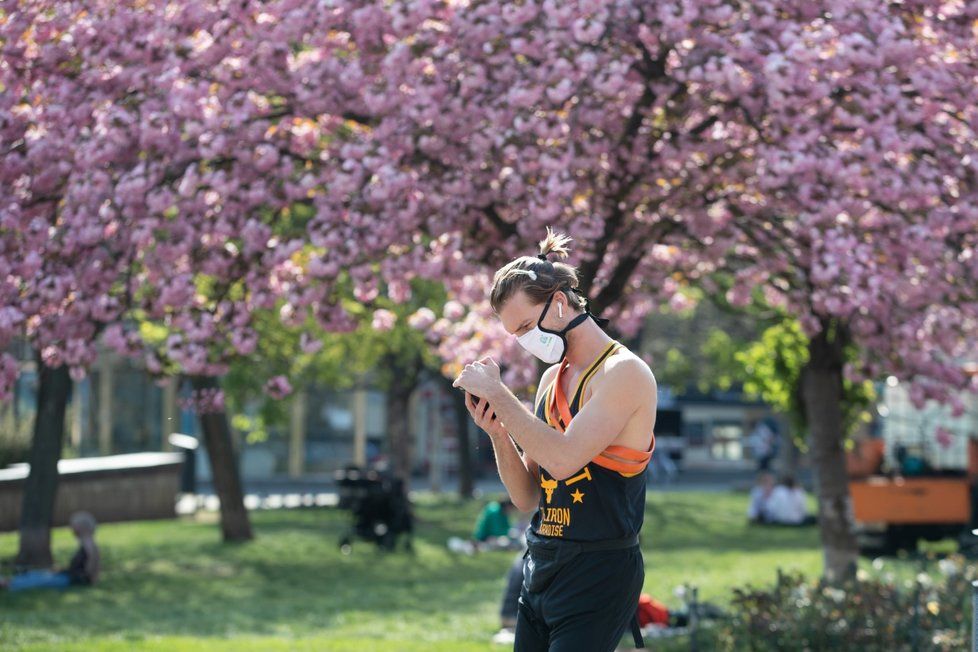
504, 637
460, 545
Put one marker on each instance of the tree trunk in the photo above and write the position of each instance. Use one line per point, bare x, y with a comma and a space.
466, 481
41, 487
822, 395
235, 525
398, 428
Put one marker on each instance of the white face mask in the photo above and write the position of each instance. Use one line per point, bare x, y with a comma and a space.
550, 346
546, 346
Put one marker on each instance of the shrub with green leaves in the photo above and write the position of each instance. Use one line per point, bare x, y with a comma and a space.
877, 613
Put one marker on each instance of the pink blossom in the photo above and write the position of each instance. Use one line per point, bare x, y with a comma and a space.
943, 437
278, 387
310, 345
137, 189
383, 320
453, 310
422, 318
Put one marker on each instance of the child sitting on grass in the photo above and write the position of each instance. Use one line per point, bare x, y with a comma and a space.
82, 570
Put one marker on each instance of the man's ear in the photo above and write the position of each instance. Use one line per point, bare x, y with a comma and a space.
560, 304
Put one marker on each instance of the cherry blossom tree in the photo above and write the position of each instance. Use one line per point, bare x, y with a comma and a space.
169, 163
817, 159
191, 163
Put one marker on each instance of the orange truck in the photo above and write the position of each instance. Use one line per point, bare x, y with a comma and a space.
937, 500
894, 513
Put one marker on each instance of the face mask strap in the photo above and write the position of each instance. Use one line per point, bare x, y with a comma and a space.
600, 321
543, 315
562, 334
580, 319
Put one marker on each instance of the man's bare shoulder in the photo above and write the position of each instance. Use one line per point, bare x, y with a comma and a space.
545, 380
624, 369
548, 375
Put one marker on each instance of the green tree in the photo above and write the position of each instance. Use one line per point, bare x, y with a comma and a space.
384, 350
762, 352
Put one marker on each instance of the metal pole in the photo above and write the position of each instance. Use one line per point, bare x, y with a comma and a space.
297, 435
974, 616
693, 617
436, 442
170, 416
915, 623
360, 427
105, 402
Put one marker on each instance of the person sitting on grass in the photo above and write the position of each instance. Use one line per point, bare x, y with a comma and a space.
788, 504
493, 530
493, 523
760, 497
83, 570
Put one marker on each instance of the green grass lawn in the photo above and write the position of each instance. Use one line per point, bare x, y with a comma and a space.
171, 585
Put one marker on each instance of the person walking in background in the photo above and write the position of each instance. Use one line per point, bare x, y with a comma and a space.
763, 446
509, 605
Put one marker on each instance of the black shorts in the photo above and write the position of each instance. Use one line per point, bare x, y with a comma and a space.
581, 602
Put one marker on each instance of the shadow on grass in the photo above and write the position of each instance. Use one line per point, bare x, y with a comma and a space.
176, 578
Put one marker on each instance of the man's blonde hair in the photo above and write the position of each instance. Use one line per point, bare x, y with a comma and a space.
538, 277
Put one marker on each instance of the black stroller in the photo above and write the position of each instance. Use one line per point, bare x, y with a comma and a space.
380, 507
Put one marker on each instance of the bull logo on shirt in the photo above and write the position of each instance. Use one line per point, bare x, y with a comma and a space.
548, 486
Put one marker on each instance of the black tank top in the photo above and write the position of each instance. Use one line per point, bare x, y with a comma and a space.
605, 499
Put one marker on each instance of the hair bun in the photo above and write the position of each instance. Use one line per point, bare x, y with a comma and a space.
554, 243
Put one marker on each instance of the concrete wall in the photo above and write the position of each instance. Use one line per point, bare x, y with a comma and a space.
132, 487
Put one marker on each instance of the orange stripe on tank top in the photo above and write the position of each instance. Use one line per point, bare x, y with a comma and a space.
626, 461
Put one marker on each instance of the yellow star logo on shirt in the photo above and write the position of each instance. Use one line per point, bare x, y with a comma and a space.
578, 496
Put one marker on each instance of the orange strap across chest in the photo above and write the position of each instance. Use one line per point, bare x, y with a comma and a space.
625, 460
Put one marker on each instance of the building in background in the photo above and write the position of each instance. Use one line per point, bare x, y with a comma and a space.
932, 433
715, 426
119, 408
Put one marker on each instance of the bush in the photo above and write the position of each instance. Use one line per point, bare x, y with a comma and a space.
874, 613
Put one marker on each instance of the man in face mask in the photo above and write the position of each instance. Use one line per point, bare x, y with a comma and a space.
578, 459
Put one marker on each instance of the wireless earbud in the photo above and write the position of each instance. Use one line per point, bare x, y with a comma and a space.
560, 310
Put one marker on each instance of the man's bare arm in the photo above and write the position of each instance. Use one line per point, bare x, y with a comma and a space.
519, 472
598, 423
516, 473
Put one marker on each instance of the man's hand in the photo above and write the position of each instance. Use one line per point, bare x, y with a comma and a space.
480, 378
484, 417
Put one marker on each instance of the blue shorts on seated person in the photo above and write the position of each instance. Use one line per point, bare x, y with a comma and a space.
39, 579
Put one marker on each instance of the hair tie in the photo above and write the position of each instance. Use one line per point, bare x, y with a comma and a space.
542, 257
